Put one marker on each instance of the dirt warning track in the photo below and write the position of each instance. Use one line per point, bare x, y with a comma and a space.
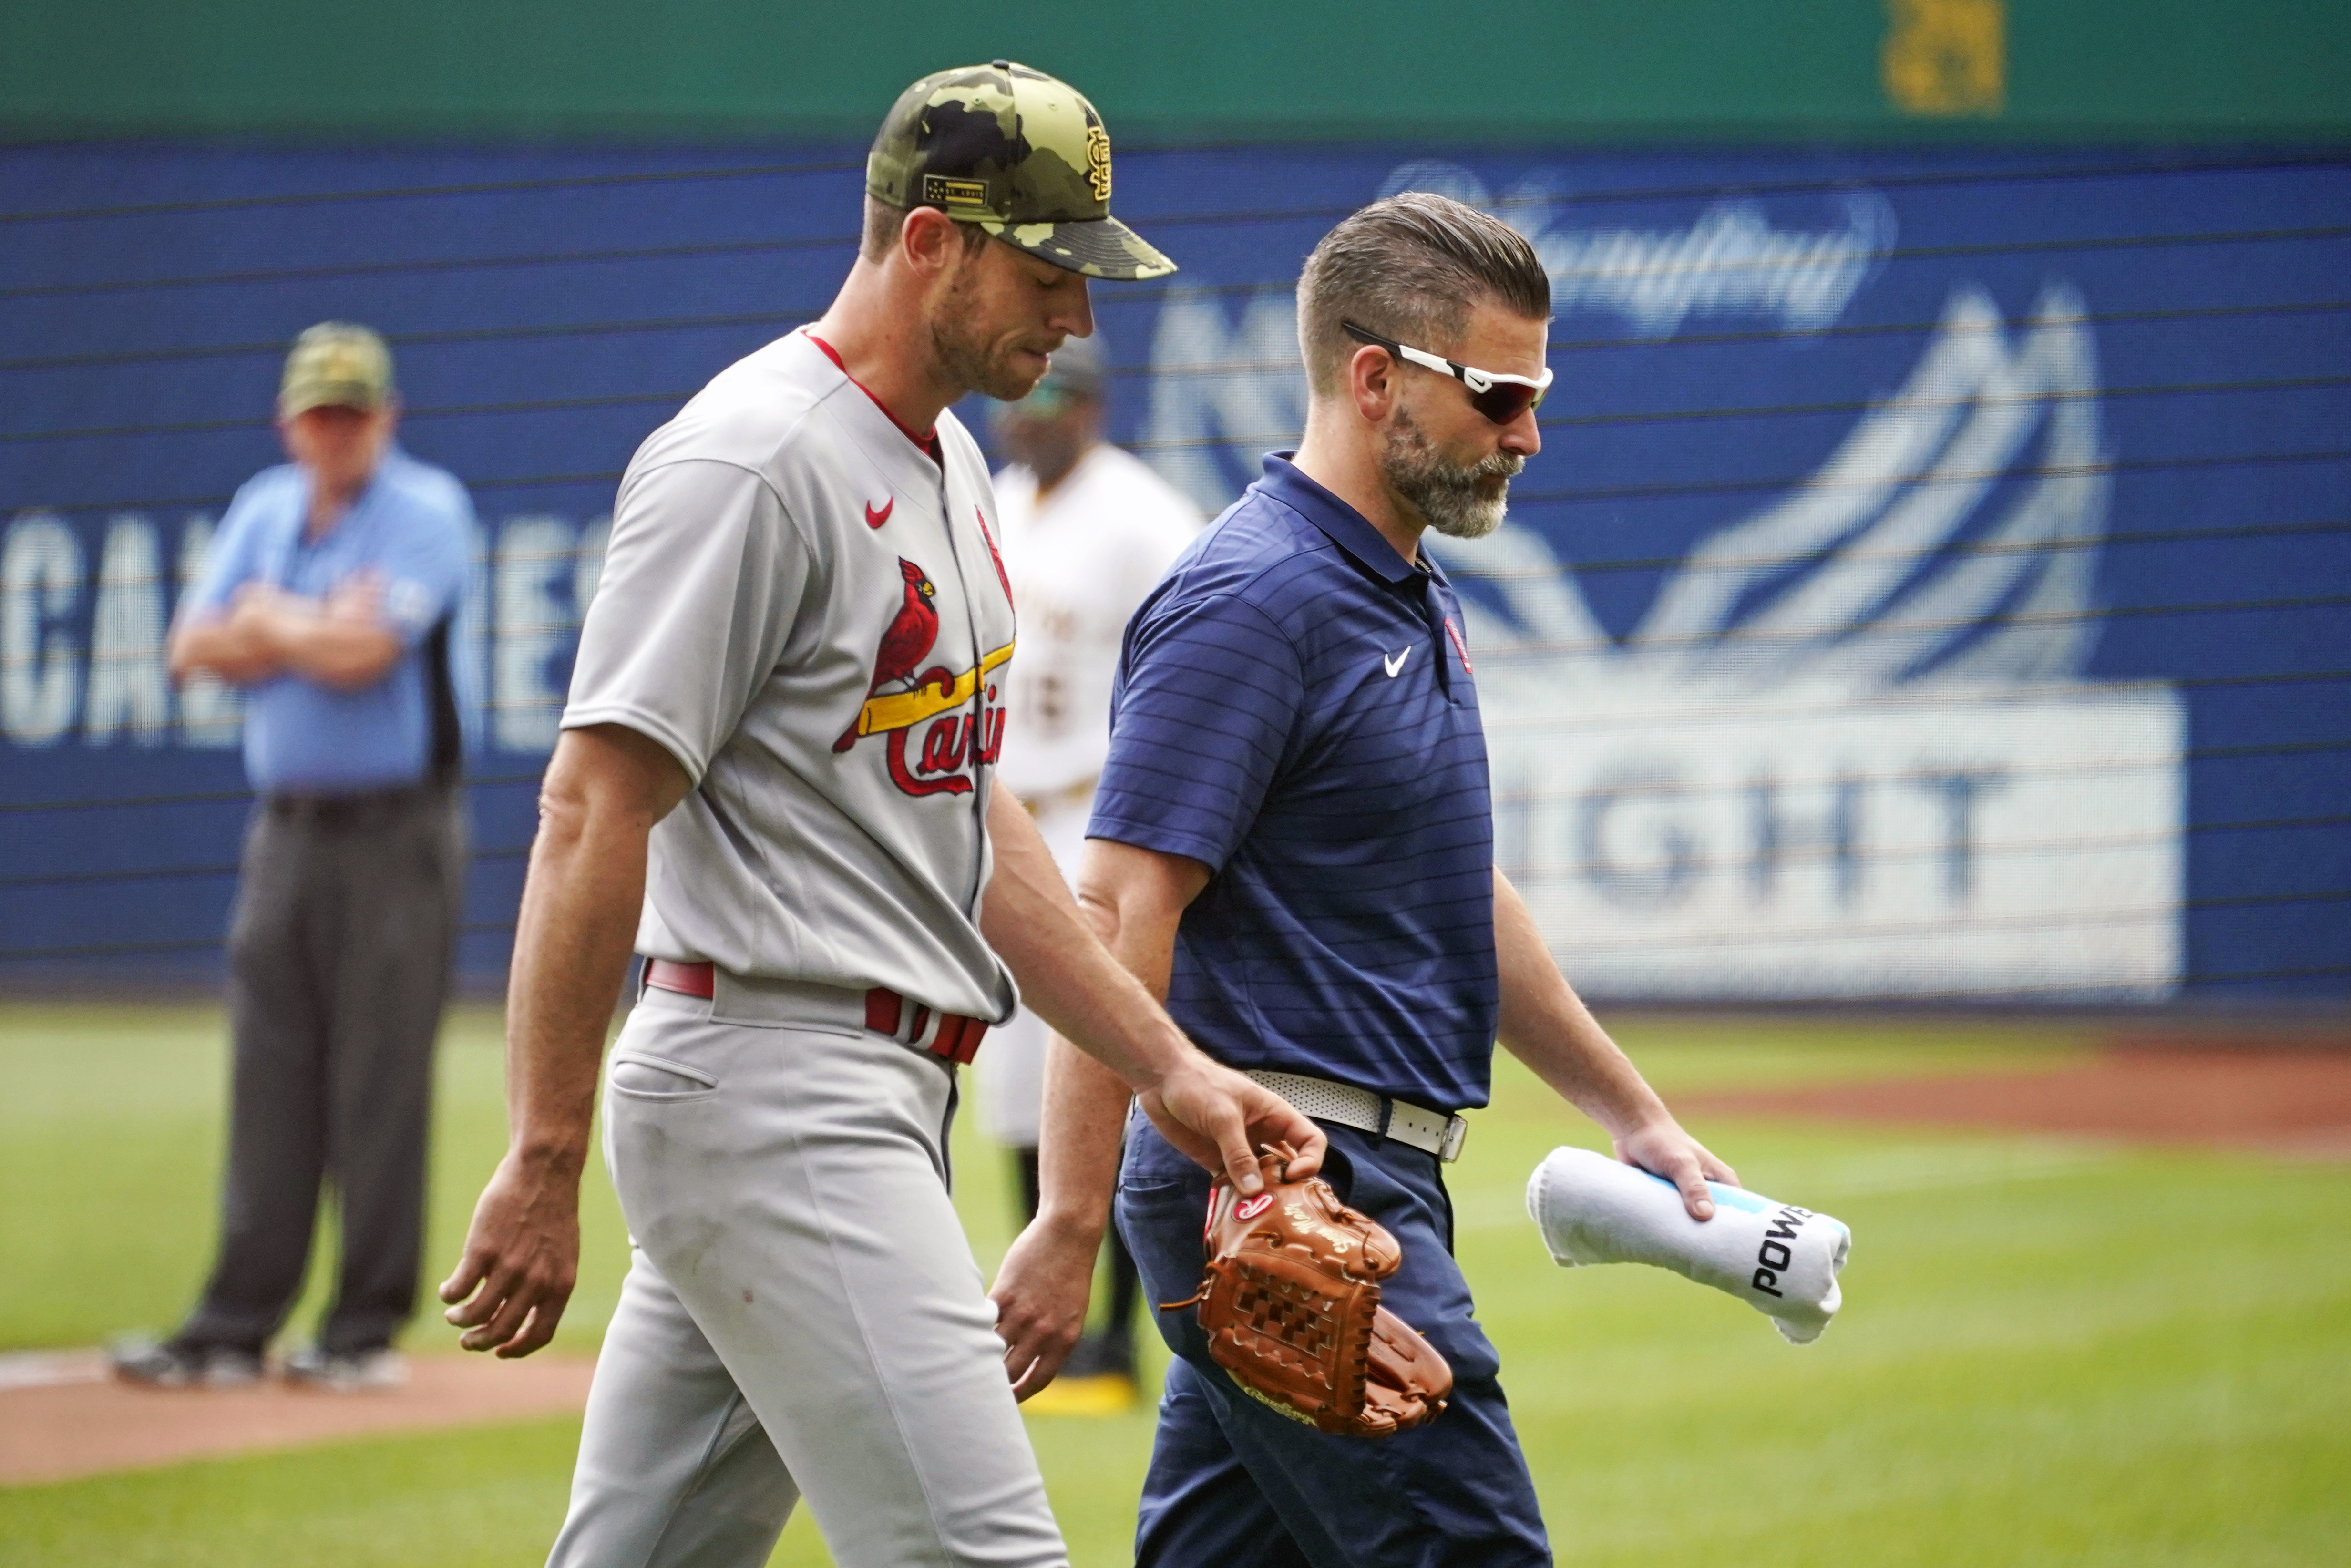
61, 1416
2286, 1101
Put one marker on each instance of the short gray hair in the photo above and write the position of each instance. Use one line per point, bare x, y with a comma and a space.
1410, 266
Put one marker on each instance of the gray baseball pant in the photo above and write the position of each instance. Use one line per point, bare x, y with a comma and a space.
802, 1314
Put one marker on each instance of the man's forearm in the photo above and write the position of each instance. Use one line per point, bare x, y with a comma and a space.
215, 646
344, 653
572, 943
1546, 1025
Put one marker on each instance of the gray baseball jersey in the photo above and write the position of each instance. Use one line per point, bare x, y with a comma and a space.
805, 608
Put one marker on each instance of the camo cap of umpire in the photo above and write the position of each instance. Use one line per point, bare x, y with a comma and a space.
1022, 155
335, 364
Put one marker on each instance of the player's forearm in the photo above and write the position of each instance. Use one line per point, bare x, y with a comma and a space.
1066, 976
1546, 1025
605, 789
572, 943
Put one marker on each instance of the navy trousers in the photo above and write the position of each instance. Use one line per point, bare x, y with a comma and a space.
1234, 1485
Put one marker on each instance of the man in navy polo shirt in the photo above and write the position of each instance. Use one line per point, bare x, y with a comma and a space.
329, 597
1294, 838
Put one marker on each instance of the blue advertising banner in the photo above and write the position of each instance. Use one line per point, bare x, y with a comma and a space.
1936, 582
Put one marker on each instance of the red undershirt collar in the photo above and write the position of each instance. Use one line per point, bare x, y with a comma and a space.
928, 440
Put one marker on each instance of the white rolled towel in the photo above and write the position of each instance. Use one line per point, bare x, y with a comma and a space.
1779, 1260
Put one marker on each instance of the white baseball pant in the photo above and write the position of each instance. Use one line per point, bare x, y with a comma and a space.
802, 1314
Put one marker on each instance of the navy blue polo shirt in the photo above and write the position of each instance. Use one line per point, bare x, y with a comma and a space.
1295, 708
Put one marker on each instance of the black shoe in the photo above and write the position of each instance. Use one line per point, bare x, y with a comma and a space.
1102, 1356
174, 1363
377, 1371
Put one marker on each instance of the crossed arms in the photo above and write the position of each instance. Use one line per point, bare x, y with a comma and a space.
340, 641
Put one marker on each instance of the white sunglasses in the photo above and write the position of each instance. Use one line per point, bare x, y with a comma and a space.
1499, 397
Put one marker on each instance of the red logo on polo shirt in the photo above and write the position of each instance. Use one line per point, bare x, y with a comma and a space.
877, 516
1459, 647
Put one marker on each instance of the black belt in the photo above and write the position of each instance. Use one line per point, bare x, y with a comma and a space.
354, 809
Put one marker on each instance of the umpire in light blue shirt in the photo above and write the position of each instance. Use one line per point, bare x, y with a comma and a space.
1293, 839
329, 598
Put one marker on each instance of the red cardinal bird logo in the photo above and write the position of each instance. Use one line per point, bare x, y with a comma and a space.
912, 631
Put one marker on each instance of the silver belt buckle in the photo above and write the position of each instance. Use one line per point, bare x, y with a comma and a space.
1457, 1133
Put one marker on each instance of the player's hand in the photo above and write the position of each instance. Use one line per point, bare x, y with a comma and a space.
1221, 1119
522, 1257
1040, 1300
1662, 1148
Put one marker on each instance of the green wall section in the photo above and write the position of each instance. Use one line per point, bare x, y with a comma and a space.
1207, 69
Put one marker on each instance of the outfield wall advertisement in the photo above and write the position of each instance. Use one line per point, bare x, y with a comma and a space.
1935, 584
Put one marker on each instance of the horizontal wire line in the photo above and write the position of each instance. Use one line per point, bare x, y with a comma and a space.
2264, 162
1879, 631
272, 275
210, 797
444, 335
1957, 548
1814, 856
1559, 346
1597, 493
434, 191
1745, 705
2207, 754
1267, 440
1657, 942
1814, 483
1807, 855
1234, 219
1560, 422
1146, 293
2003, 990
1475, 573
2008, 774
186, 944
165, 873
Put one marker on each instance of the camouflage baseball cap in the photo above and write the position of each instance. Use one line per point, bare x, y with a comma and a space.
1020, 153
335, 365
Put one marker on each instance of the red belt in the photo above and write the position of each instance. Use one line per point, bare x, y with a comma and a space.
955, 1038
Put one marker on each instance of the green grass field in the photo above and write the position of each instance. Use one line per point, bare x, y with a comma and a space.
2051, 1352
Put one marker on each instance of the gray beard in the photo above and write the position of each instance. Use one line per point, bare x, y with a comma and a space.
1459, 503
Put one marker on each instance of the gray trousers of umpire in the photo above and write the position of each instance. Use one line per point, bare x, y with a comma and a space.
339, 950
802, 1314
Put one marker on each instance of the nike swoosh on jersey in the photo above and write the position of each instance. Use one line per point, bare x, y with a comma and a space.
1396, 663
874, 518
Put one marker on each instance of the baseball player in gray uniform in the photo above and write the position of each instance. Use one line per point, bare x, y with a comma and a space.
775, 778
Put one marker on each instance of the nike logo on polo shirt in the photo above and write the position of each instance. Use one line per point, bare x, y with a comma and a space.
875, 517
1396, 663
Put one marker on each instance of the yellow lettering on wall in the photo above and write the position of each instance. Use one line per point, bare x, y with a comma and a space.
1946, 57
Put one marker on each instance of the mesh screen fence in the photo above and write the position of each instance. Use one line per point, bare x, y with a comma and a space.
1936, 583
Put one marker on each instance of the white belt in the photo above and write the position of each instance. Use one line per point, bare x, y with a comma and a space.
1431, 1132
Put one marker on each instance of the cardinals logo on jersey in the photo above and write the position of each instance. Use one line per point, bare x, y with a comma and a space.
963, 728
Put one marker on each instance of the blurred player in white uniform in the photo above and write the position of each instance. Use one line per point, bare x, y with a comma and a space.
1089, 530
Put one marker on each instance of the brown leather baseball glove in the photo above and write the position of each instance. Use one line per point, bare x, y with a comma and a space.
1291, 1305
